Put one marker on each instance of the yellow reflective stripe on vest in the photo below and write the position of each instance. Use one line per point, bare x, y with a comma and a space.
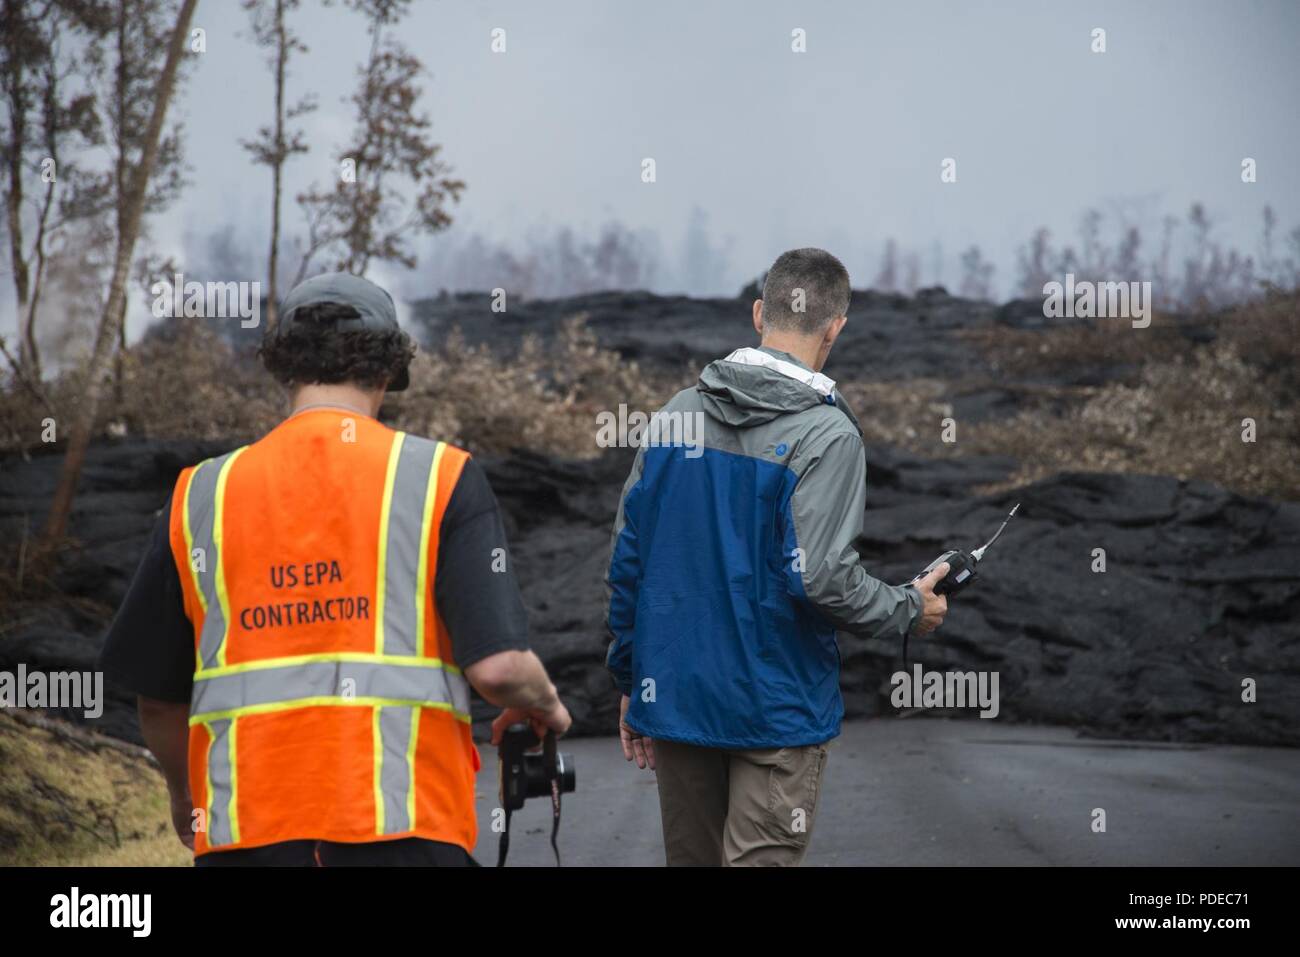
223, 784
327, 701
410, 493
191, 557
401, 590
260, 663
410, 763
204, 505
381, 572
386, 819
426, 529
332, 679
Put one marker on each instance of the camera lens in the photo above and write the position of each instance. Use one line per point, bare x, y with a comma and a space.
568, 773
539, 781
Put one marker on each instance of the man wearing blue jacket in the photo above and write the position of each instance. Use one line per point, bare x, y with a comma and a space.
733, 567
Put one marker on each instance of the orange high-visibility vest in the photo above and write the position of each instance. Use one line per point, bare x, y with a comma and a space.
327, 703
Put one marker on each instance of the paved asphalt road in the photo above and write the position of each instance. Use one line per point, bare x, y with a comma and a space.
927, 791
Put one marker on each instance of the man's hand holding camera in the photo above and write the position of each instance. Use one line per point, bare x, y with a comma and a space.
553, 717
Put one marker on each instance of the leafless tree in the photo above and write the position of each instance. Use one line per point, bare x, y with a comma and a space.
887, 279
277, 142
1035, 263
128, 66
50, 115
977, 275
367, 215
110, 322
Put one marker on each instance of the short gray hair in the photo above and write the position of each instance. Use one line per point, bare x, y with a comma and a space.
804, 290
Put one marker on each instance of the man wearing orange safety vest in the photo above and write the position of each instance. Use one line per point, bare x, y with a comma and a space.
312, 611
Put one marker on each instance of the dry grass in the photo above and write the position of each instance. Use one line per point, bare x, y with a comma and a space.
191, 385
1171, 406
1267, 335
1166, 404
890, 412
65, 798
1076, 344
545, 398
186, 384
1180, 412
1184, 417
24, 417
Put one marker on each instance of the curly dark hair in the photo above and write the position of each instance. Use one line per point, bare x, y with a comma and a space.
312, 351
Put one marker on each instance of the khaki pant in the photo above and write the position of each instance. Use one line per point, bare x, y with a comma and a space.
737, 808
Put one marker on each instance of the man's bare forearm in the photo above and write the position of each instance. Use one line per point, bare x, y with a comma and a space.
165, 728
513, 679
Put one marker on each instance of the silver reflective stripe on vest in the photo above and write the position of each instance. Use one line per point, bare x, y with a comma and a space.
270, 685
201, 508
397, 729
412, 483
221, 784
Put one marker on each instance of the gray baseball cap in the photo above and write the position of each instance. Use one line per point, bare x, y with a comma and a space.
374, 306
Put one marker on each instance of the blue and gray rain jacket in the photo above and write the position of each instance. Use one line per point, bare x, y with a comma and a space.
733, 562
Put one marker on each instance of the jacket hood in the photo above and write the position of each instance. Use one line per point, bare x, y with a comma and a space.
753, 386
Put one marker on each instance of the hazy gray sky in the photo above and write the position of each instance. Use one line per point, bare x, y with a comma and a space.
839, 146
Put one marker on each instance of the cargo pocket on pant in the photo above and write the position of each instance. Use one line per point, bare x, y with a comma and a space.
794, 785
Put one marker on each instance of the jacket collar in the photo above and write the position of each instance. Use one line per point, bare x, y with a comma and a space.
784, 364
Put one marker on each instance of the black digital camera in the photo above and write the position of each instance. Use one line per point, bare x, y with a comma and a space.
522, 775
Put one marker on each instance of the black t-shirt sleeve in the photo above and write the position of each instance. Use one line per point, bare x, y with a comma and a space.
149, 648
475, 586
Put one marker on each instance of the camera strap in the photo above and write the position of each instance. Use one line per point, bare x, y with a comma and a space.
503, 845
551, 756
